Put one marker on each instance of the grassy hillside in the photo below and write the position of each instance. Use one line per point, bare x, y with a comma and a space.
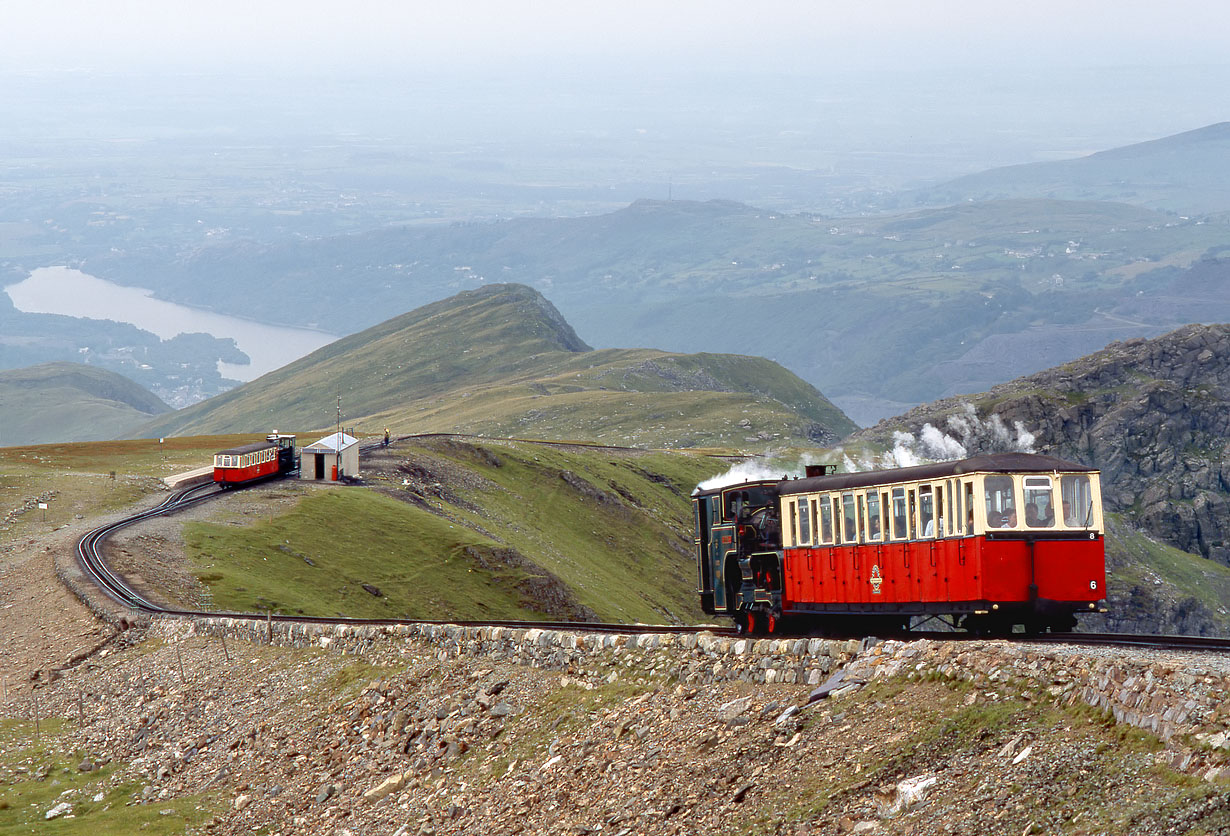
70, 402
502, 361
448, 528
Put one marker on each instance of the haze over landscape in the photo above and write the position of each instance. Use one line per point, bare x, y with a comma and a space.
193, 151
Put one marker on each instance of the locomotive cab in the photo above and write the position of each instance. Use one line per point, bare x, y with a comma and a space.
738, 539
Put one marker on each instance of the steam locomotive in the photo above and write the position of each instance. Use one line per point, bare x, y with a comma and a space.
985, 544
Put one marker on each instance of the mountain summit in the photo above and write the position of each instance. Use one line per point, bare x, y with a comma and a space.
501, 360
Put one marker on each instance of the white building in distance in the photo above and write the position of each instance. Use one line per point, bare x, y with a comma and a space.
320, 461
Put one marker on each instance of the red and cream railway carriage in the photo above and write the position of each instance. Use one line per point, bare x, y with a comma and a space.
275, 456
986, 543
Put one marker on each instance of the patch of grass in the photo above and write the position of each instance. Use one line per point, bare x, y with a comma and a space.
615, 529
422, 565
94, 478
348, 680
99, 807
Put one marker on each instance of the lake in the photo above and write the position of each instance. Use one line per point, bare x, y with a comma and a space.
69, 292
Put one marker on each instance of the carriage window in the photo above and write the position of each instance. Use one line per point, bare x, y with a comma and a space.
794, 521
926, 512
836, 520
874, 525
968, 494
913, 515
1001, 502
954, 513
826, 521
848, 526
1039, 503
1077, 498
804, 523
899, 528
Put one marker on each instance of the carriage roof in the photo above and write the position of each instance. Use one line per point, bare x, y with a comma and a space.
246, 448
991, 463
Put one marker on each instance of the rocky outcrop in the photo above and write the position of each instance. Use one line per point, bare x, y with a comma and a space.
1152, 415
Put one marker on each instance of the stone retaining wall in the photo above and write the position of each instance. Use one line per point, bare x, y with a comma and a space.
1185, 706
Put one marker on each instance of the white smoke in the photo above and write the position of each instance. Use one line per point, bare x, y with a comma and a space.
967, 435
767, 466
978, 436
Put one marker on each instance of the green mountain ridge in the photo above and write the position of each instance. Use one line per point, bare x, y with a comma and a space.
70, 401
501, 360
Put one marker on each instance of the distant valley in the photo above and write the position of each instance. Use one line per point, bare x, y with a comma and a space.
880, 312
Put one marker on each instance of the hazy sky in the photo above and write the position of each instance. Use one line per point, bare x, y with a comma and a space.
481, 34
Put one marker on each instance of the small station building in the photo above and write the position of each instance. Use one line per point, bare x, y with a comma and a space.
319, 460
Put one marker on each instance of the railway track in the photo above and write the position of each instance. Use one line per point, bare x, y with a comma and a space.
91, 559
